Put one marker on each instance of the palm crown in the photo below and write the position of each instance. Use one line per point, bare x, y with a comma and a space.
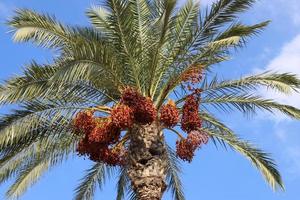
151, 46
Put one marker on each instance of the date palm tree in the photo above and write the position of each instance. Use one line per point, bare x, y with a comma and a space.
146, 45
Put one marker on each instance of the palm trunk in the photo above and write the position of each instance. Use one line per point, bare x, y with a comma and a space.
147, 163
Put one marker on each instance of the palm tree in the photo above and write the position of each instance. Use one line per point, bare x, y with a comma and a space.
140, 51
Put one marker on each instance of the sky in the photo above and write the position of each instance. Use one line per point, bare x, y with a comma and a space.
215, 173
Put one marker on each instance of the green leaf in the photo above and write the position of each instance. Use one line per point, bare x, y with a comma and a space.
173, 171
41, 29
257, 157
249, 104
94, 176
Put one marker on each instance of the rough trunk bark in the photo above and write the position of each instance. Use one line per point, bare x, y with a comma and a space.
147, 163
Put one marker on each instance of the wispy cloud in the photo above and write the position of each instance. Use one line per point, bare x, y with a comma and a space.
288, 61
282, 10
289, 148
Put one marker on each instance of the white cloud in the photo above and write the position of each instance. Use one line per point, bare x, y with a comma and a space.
287, 61
282, 9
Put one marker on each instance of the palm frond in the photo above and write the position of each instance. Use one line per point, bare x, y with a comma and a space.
34, 116
33, 83
173, 171
121, 24
9, 165
215, 123
220, 13
28, 176
285, 83
94, 176
99, 18
141, 19
257, 157
249, 104
41, 29
45, 155
243, 31
123, 184
181, 32
165, 24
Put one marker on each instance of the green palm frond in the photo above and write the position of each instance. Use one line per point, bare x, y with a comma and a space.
249, 104
28, 176
220, 13
33, 83
215, 123
18, 126
215, 51
284, 83
44, 155
173, 171
41, 29
165, 24
257, 157
16, 156
10, 164
123, 184
181, 33
141, 19
121, 23
95, 176
99, 18
243, 31
148, 45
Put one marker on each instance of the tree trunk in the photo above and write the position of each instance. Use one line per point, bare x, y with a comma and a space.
147, 162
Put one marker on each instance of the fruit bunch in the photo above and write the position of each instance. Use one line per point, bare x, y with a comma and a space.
97, 140
169, 114
144, 111
101, 136
185, 148
102, 141
99, 152
84, 122
192, 76
190, 114
191, 124
122, 116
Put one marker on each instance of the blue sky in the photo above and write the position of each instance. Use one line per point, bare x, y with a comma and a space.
215, 173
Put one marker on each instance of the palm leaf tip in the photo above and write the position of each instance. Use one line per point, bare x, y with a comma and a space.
86, 189
173, 173
27, 177
258, 158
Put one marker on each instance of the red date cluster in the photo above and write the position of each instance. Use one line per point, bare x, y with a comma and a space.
169, 114
185, 148
144, 111
192, 76
191, 123
190, 114
99, 134
102, 136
